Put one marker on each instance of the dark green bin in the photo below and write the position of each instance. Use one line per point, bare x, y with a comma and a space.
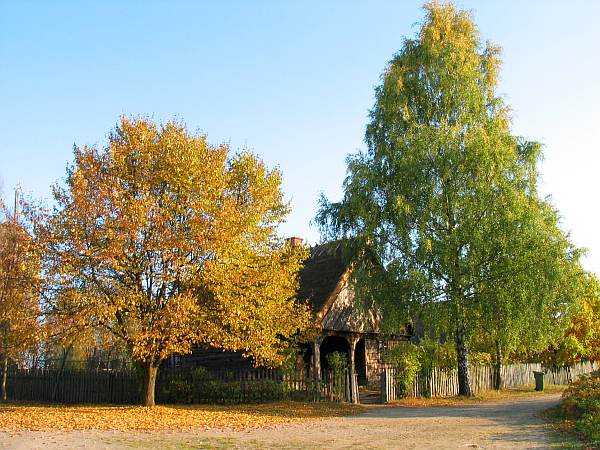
539, 380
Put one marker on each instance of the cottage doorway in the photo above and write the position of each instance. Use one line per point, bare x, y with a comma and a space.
333, 344
360, 362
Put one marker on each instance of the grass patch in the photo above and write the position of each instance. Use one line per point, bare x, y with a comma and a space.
504, 394
18, 417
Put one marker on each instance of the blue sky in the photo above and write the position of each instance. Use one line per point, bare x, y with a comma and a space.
292, 81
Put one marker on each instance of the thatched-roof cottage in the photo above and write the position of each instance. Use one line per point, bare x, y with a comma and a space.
341, 325
344, 327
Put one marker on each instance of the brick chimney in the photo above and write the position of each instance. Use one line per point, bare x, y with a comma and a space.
294, 242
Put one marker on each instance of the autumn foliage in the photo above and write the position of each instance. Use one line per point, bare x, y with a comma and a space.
19, 292
166, 241
581, 338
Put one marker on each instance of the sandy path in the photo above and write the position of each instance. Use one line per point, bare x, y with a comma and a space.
506, 424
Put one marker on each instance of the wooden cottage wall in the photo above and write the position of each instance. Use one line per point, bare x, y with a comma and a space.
373, 359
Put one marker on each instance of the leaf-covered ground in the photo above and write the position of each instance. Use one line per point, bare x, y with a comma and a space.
17, 417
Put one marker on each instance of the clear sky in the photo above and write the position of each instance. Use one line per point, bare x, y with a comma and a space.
292, 81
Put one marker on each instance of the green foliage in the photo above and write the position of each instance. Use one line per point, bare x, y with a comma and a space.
338, 361
199, 386
407, 359
589, 425
581, 401
178, 391
437, 355
445, 199
566, 352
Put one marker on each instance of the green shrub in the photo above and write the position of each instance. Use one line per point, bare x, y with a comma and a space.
199, 386
210, 390
440, 356
581, 402
269, 390
338, 361
406, 358
589, 426
175, 390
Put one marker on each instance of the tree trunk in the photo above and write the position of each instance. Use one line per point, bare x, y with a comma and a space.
151, 371
4, 375
462, 355
498, 367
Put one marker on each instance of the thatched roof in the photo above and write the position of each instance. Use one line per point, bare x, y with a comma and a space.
321, 274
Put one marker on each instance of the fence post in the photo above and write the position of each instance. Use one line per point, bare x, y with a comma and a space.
388, 386
384, 396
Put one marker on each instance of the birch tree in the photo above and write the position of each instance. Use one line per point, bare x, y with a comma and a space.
445, 195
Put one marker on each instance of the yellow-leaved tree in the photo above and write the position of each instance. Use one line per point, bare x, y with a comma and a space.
166, 242
19, 292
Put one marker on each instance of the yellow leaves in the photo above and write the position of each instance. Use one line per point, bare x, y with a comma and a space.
402, 204
170, 241
582, 336
19, 289
126, 418
253, 306
427, 245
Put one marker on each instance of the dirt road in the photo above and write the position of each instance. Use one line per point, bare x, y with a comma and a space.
505, 424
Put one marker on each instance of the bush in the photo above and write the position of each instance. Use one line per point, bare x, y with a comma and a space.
200, 386
338, 362
589, 426
445, 355
581, 402
179, 391
406, 358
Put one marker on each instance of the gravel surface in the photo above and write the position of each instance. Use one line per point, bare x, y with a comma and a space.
501, 424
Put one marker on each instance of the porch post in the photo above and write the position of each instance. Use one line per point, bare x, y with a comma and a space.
316, 363
353, 386
316, 348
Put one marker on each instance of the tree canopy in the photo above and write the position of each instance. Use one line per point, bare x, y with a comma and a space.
581, 337
19, 291
166, 241
445, 196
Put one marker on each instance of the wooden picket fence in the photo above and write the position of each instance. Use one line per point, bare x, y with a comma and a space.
182, 385
444, 383
74, 386
570, 374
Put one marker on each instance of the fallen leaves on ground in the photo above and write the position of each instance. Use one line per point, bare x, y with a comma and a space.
16, 417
